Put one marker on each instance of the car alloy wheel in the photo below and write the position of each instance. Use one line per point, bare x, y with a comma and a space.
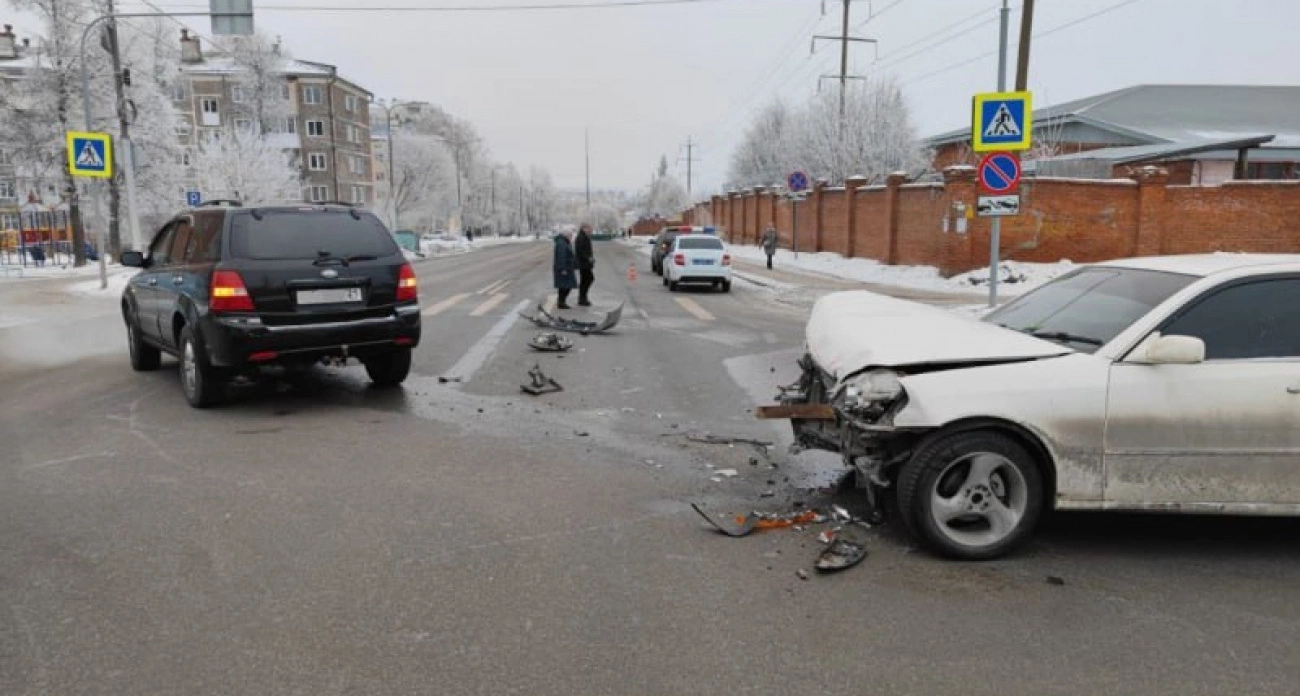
189, 370
979, 499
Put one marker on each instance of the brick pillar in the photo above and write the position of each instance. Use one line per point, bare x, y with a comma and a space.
958, 250
892, 182
1148, 239
745, 215
733, 220
715, 211
815, 209
760, 210
774, 191
851, 186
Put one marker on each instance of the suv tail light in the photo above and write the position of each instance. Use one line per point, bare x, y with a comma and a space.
679, 259
228, 293
407, 287
726, 259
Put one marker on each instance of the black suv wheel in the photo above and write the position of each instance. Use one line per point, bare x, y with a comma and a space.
389, 370
203, 384
144, 357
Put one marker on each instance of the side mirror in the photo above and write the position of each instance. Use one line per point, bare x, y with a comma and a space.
1175, 350
133, 259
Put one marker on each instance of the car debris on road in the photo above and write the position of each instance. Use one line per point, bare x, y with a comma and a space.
547, 320
549, 342
540, 384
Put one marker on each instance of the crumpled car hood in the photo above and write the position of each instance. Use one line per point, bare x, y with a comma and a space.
851, 331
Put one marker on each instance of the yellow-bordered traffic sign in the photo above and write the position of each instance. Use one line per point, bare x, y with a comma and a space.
90, 154
1002, 121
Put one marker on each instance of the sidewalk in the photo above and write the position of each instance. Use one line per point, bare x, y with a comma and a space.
785, 278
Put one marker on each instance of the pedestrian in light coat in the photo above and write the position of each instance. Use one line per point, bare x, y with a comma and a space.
769, 244
586, 264
564, 267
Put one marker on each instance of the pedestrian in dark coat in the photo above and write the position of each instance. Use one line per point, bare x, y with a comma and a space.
586, 264
770, 240
564, 267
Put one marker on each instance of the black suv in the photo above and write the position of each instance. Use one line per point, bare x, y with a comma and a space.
228, 289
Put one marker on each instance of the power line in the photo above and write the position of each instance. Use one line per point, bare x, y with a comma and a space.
613, 4
1062, 27
873, 15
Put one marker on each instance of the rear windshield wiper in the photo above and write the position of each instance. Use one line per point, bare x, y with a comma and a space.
326, 259
1067, 337
361, 257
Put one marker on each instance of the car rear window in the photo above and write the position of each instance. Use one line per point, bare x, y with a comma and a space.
298, 234
699, 243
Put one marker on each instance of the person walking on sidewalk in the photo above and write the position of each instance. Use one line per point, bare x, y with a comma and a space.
769, 244
586, 264
564, 265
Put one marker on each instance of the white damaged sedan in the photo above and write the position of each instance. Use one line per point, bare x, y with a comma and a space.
1156, 384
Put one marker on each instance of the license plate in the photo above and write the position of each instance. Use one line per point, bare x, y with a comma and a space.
703, 262
329, 296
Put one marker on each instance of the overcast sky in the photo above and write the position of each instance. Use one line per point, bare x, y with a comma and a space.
643, 79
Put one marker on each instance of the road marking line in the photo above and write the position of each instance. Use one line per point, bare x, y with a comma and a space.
489, 305
442, 306
479, 353
489, 288
694, 308
504, 285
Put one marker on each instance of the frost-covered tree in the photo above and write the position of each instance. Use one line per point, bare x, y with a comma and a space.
424, 180
874, 137
667, 196
43, 105
246, 167
542, 200
763, 155
261, 80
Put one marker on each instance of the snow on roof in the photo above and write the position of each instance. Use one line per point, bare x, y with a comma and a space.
227, 65
1204, 264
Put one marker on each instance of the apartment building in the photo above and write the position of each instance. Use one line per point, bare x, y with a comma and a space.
323, 119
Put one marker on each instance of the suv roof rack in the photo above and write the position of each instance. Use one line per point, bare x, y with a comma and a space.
222, 202
342, 203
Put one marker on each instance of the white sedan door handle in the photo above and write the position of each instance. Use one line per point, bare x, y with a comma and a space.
1293, 389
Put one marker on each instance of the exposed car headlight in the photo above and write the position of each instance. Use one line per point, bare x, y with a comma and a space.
876, 386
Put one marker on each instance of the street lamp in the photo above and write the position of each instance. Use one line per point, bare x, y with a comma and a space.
392, 155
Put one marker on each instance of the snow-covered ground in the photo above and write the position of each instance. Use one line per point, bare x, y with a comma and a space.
1016, 278
16, 272
440, 247
118, 277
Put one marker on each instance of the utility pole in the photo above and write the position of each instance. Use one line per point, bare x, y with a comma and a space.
1026, 33
690, 160
586, 147
844, 40
995, 235
126, 153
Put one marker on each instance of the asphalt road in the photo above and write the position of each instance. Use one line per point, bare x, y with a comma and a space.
324, 537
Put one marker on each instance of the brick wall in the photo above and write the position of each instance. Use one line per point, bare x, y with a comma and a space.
1080, 220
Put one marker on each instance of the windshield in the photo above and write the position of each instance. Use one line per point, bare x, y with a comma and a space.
699, 243
1088, 308
296, 234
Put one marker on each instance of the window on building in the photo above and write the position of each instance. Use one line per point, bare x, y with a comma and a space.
4, 158
178, 91
183, 158
211, 111
210, 137
1268, 170
318, 194
284, 91
357, 165
316, 161
358, 194
290, 125
8, 189
316, 128
312, 94
244, 126
350, 103
237, 95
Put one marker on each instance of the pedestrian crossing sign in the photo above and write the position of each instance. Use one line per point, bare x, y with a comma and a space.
1002, 121
90, 154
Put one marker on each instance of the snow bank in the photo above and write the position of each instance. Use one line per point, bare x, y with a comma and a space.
441, 247
1016, 277
117, 280
50, 270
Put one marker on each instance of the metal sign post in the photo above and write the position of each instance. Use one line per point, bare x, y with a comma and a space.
797, 182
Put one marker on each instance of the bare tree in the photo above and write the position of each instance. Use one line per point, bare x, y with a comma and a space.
764, 153
666, 196
423, 185
260, 77
247, 167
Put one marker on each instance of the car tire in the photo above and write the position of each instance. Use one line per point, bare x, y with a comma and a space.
389, 370
726, 286
144, 357
202, 384
672, 286
972, 495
